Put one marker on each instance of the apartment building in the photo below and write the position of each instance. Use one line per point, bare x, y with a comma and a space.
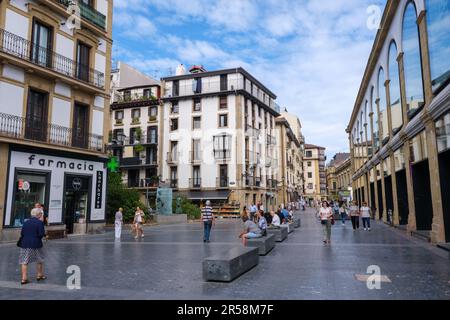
290, 164
54, 110
399, 129
134, 136
218, 140
335, 173
314, 172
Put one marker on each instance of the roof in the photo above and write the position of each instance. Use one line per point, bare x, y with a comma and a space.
312, 146
339, 158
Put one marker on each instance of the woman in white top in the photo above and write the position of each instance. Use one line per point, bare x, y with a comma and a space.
275, 219
138, 221
354, 215
365, 215
325, 215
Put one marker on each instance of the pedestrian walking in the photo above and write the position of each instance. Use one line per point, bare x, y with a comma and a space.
138, 222
253, 210
30, 243
343, 213
354, 215
118, 223
208, 220
365, 215
326, 216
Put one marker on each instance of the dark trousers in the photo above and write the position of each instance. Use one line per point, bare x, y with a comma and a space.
355, 222
206, 230
366, 221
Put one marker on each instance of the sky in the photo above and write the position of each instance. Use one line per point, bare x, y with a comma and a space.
311, 53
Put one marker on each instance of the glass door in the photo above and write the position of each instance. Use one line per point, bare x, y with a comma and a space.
80, 126
41, 46
83, 61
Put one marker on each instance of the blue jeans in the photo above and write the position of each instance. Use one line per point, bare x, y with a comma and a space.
366, 221
343, 216
206, 230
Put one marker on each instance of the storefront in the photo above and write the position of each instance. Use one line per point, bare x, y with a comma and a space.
72, 190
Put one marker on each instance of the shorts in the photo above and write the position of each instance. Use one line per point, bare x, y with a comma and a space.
252, 235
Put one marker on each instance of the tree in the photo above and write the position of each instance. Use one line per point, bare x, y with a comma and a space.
120, 197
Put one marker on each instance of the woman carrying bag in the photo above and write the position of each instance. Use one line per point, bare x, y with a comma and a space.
138, 222
326, 219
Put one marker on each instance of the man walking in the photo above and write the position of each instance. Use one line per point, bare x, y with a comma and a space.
253, 209
208, 220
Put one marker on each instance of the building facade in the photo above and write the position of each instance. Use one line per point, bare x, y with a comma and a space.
54, 111
399, 130
219, 137
337, 171
290, 164
314, 172
135, 129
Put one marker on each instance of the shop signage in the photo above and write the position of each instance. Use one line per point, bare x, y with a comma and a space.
99, 190
23, 185
49, 163
76, 184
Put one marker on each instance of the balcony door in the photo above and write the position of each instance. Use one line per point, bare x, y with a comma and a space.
37, 116
83, 53
80, 126
42, 44
223, 175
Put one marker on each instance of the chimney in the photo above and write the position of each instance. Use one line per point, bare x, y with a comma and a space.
181, 70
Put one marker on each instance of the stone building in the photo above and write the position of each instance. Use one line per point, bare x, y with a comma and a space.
54, 113
399, 132
314, 172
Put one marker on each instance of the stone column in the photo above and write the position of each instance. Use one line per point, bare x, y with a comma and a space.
383, 190
374, 174
410, 188
396, 216
426, 71
437, 226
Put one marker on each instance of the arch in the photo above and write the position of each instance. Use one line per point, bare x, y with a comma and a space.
375, 124
382, 108
394, 89
412, 62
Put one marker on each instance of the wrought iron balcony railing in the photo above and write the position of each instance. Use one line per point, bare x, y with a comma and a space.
87, 12
195, 183
15, 127
26, 50
172, 157
222, 154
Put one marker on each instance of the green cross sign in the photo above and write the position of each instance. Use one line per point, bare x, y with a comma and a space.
113, 164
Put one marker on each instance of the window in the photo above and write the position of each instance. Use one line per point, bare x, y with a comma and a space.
259, 111
384, 132
223, 120
310, 186
374, 109
80, 126
173, 177
309, 154
174, 107
173, 124
135, 135
23, 201
173, 154
118, 135
135, 115
37, 115
222, 146
83, 52
196, 123
412, 62
153, 113
196, 177
197, 105
152, 155
223, 102
394, 90
152, 135
443, 132
175, 88
119, 115
223, 82
310, 175
438, 11
197, 85
196, 152
127, 95
147, 93
42, 44
223, 176
309, 163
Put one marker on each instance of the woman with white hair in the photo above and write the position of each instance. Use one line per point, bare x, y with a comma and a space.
30, 244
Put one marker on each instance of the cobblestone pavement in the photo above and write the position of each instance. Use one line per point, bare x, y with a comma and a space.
167, 264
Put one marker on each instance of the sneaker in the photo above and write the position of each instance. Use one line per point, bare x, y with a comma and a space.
369, 229
136, 237
365, 229
142, 236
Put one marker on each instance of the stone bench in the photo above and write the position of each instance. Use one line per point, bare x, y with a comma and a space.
289, 227
227, 265
296, 223
280, 233
264, 244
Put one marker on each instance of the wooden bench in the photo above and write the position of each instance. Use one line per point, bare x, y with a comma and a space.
280, 233
264, 244
227, 265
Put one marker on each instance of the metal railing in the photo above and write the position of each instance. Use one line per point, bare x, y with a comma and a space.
172, 157
46, 58
222, 182
195, 183
87, 12
16, 127
222, 154
196, 157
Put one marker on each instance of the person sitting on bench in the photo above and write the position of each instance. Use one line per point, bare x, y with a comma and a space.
251, 230
262, 222
275, 220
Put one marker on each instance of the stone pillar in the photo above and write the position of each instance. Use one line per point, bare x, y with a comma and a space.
410, 188
396, 216
437, 226
426, 71
4, 153
383, 190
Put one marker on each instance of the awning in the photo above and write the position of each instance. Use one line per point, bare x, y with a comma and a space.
205, 195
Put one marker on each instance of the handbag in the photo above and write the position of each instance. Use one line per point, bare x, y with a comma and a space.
323, 221
332, 220
19, 242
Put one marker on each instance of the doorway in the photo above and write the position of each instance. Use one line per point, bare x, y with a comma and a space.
444, 172
372, 196
402, 197
422, 195
380, 200
389, 197
76, 203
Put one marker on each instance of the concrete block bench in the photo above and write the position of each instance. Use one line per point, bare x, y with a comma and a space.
280, 233
296, 223
289, 227
264, 244
227, 265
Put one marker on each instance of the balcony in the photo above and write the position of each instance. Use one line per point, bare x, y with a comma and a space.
130, 141
195, 183
249, 181
271, 140
123, 100
137, 162
251, 131
222, 183
87, 12
28, 51
196, 157
19, 128
222, 154
172, 157
257, 182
